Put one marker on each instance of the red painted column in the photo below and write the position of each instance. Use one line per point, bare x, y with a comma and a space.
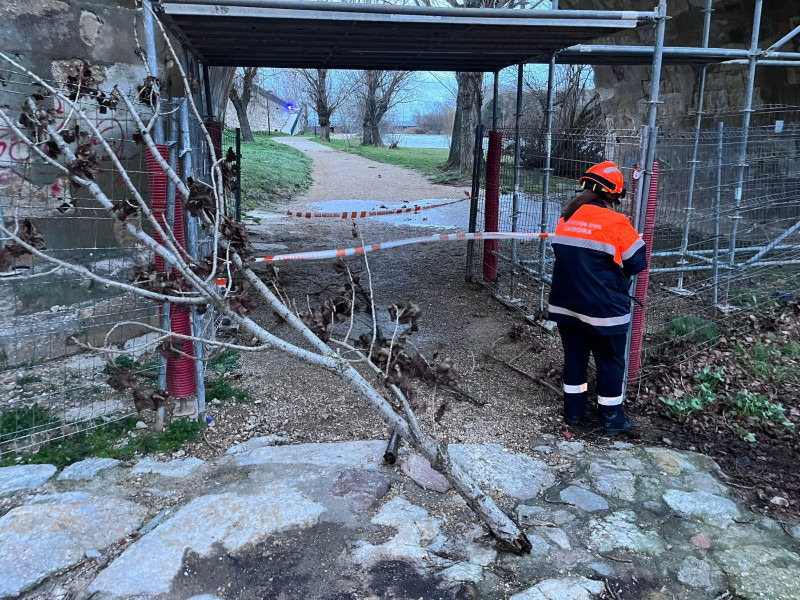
640, 312
181, 374
492, 222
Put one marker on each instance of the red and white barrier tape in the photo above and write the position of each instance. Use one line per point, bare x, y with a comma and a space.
451, 237
363, 214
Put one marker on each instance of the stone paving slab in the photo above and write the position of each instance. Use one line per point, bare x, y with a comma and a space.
353, 455
173, 468
24, 477
54, 532
230, 520
494, 467
86, 469
659, 522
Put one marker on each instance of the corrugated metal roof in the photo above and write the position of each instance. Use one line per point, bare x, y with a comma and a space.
340, 36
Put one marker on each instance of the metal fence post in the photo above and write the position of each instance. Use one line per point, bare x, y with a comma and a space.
239, 175
207, 93
2, 223
693, 175
717, 216
495, 96
748, 110
548, 169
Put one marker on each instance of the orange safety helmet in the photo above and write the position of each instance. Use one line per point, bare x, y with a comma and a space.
607, 177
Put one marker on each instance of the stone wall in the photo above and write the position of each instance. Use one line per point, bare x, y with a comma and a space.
49, 37
625, 89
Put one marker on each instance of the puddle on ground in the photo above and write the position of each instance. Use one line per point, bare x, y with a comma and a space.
453, 216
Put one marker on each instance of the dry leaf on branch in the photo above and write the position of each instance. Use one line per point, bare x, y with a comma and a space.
121, 379
151, 398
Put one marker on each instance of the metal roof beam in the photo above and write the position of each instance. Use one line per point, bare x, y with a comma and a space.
179, 6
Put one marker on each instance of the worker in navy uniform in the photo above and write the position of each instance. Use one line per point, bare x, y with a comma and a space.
597, 251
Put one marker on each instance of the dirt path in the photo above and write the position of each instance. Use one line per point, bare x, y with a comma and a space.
344, 176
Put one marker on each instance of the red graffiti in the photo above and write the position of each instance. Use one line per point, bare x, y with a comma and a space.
13, 150
112, 131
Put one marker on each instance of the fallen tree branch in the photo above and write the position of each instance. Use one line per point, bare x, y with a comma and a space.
533, 378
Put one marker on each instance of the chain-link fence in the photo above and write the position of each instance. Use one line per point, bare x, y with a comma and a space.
52, 384
696, 277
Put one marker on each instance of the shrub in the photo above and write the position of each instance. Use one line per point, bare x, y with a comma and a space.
694, 329
768, 414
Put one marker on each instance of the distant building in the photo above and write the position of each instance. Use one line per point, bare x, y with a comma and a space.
261, 101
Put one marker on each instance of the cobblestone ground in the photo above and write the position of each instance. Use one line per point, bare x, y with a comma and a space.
330, 521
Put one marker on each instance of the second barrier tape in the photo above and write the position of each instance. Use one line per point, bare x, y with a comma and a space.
480, 235
363, 214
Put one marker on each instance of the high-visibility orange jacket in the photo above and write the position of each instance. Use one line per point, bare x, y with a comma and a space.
597, 251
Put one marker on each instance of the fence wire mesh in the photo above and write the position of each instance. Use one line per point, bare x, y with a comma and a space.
51, 385
701, 221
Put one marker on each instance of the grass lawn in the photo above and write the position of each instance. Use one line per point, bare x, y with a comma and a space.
429, 161
271, 172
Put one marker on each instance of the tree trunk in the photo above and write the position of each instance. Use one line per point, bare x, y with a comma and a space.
371, 134
241, 114
468, 115
324, 123
240, 103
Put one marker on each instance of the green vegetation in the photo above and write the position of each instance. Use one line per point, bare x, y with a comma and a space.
123, 360
768, 414
28, 379
694, 329
107, 440
28, 420
227, 360
744, 434
709, 380
272, 172
429, 161
220, 389
791, 350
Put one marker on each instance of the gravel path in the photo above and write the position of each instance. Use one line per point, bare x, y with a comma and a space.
343, 176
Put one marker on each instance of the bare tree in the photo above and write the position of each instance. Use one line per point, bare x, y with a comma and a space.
577, 121
192, 281
379, 92
470, 86
243, 81
438, 119
327, 93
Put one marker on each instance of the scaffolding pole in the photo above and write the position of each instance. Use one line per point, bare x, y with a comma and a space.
717, 211
166, 318
193, 246
782, 42
517, 167
152, 64
698, 123
650, 136
748, 111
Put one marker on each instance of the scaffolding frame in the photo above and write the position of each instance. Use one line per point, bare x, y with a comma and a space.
657, 56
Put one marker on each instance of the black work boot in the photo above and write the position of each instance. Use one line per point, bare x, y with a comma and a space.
614, 420
574, 408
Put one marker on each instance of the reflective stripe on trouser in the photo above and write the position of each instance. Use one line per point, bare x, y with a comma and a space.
575, 389
609, 401
609, 356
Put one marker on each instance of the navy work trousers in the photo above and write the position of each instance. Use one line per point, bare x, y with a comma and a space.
609, 357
